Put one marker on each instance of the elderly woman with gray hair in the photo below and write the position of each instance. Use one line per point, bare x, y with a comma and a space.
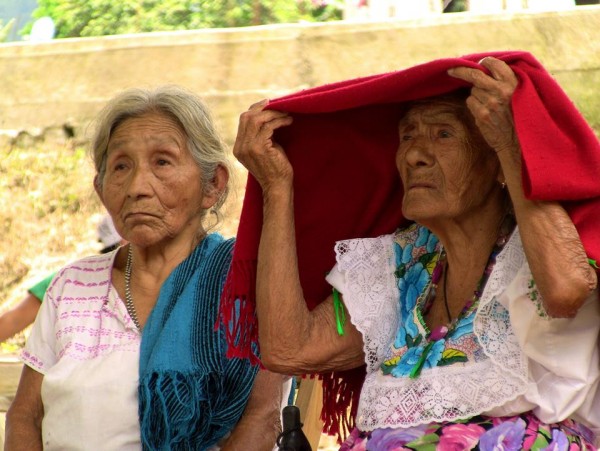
124, 354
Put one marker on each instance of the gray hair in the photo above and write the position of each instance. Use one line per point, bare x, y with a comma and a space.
187, 109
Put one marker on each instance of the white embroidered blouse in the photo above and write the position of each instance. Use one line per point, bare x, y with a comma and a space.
87, 347
529, 361
85, 344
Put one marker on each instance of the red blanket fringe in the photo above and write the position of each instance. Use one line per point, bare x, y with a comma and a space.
341, 391
237, 311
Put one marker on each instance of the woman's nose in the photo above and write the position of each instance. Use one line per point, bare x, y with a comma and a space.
418, 151
139, 181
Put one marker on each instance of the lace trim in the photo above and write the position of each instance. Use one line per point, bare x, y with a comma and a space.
442, 393
438, 395
492, 321
369, 268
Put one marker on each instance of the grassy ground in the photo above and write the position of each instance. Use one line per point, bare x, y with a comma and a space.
48, 212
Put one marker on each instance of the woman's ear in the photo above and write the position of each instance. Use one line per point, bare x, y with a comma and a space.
98, 187
218, 186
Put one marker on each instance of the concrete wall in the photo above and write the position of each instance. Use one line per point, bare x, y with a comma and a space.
44, 86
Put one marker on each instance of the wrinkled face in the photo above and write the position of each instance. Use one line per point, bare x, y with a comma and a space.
152, 187
443, 177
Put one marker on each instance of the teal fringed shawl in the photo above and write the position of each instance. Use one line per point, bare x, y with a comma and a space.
190, 394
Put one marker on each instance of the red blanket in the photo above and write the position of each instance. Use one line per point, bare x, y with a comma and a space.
342, 144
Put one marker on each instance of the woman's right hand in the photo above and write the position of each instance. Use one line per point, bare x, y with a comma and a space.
255, 148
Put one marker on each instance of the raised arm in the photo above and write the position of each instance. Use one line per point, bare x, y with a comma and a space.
552, 245
293, 340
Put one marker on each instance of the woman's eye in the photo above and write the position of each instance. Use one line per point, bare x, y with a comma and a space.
119, 167
406, 137
162, 162
444, 134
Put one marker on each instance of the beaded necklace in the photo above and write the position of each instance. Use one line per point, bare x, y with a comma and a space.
128, 297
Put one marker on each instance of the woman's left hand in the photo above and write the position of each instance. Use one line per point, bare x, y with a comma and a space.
490, 101
547, 232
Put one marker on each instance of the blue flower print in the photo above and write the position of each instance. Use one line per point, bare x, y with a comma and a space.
422, 237
427, 239
412, 356
406, 254
431, 243
407, 362
410, 286
435, 354
398, 252
463, 327
506, 436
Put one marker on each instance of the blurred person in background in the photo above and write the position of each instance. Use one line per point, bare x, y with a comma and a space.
23, 314
124, 354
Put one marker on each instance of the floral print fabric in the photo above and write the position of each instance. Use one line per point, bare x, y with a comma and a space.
418, 257
523, 432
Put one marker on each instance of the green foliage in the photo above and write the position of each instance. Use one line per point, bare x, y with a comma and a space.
80, 18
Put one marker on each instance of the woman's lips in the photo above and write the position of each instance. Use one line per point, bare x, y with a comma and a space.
420, 185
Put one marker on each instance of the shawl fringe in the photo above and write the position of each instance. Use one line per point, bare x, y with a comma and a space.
190, 394
174, 404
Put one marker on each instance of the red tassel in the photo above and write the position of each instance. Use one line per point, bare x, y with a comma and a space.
237, 312
341, 392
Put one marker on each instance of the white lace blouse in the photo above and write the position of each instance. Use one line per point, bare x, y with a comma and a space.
529, 361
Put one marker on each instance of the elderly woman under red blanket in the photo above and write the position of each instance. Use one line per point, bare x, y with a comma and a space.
478, 320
